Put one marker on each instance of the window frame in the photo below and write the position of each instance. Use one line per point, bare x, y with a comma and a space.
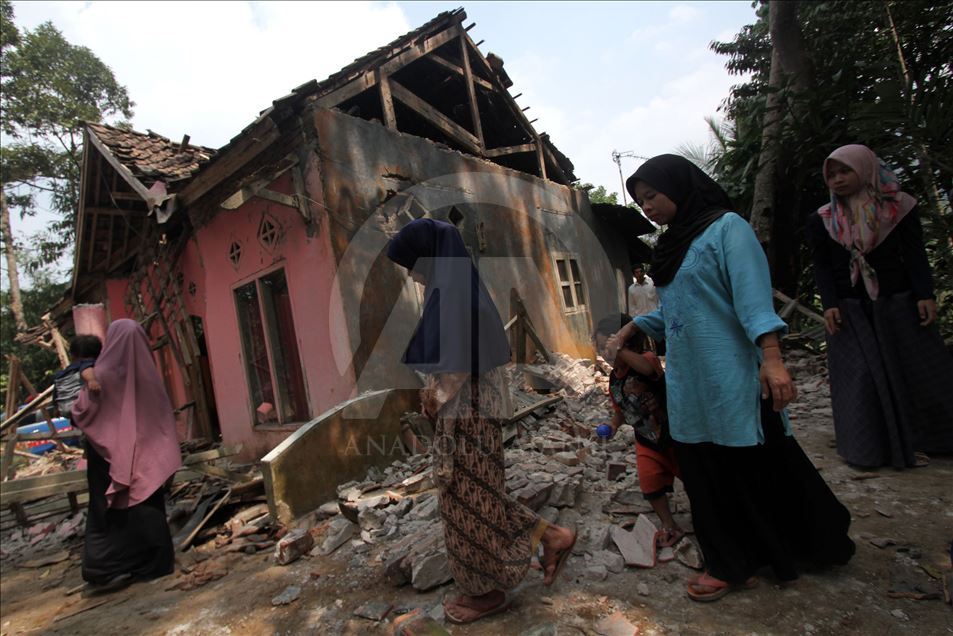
256, 279
581, 305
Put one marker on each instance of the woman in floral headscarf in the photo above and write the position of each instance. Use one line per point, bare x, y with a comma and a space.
890, 374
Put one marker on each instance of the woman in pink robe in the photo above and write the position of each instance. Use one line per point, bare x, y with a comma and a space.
132, 449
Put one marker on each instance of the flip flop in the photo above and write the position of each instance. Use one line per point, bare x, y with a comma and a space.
561, 559
668, 537
499, 609
718, 591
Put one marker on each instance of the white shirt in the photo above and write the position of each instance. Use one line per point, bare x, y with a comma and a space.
643, 299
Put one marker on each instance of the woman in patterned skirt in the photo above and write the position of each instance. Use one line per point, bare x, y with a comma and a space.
460, 342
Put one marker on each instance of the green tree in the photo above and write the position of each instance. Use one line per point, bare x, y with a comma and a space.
48, 87
598, 194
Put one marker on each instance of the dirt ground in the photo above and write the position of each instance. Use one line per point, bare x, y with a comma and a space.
914, 508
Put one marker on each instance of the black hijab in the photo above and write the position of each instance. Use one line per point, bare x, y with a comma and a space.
699, 202
460, 330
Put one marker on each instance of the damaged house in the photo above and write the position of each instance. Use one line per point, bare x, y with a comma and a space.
259, 269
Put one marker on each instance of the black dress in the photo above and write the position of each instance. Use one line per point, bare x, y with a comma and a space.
133, 541
891, 379
762, 506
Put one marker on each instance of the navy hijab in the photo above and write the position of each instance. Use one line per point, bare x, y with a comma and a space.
460, 330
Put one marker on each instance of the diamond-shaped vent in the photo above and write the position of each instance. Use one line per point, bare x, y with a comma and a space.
235, 253
269, 232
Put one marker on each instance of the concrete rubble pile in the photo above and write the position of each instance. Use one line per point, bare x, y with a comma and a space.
555, 465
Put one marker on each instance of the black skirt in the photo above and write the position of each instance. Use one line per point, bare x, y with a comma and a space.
891, 383
765, 505
133, 541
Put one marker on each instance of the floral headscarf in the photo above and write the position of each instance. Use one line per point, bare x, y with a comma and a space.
863, 220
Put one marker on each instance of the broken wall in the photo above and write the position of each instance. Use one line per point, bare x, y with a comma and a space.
512, 222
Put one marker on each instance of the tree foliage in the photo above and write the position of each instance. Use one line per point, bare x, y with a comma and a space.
48, 88
863, 91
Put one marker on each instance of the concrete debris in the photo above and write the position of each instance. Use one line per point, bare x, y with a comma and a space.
430, 571
638, 546
289, 595
612, 560
688, 554
293, 545
616, 625
340, 532
373, 610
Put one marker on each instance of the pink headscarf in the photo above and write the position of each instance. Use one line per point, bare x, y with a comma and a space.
863, 220
130, 423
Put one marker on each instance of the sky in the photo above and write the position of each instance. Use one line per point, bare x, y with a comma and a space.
597, 76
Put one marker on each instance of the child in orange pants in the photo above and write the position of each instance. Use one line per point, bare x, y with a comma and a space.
637, 391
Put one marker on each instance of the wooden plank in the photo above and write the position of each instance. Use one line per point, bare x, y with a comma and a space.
222, 473
510, 150
13, 388
32, 494
123, 171
31, 390
450, 66
188, 540
215, 453
801, 309
37, 402
471, 91
109, 243
63, 435
520, 414
387, 103
540, 158
246, 148
42, 481
531, 332
447, 126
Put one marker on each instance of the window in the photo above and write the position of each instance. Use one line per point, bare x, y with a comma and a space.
275, 379
570, 283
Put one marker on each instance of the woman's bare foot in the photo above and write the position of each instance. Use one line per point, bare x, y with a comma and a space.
466, 609
556, 540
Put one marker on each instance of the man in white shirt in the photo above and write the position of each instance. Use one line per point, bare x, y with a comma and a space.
643, 298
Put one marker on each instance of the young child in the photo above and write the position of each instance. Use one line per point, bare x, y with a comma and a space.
66, 383
637, 391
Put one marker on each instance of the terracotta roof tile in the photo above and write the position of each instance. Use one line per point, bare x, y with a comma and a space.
151, 157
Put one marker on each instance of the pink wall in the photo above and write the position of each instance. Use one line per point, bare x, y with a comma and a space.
309, 268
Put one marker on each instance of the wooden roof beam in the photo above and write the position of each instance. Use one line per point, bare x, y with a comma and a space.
450, 66
447, 126
122, 170
471, 91
510, 150
249, 146
370, 78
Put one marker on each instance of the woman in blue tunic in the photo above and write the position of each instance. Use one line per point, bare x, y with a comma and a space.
756, 498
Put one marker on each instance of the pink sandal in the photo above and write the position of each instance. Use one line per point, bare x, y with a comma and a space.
706, 588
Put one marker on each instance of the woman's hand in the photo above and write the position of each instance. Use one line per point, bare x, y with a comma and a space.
616, 340
927, 310
776, 382
832, 319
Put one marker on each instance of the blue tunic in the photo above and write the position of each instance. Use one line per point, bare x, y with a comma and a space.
711, 314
